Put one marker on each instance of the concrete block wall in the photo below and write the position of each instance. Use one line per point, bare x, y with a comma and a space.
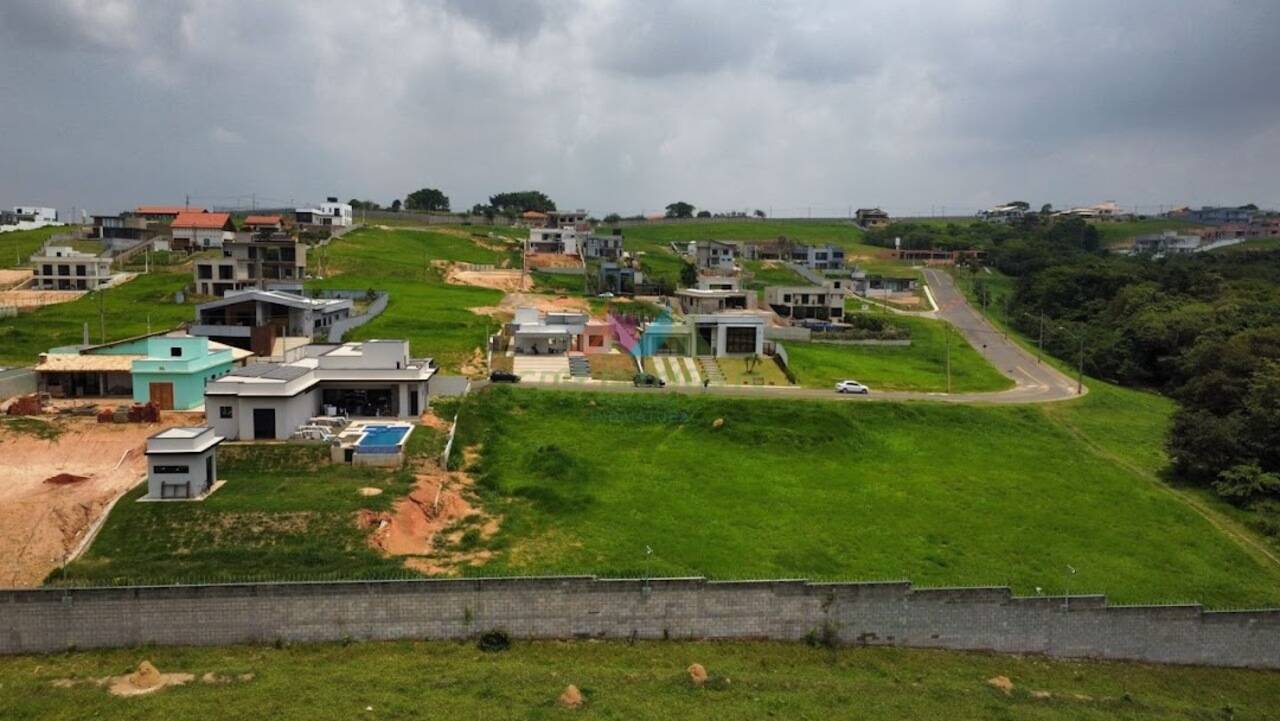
895, 614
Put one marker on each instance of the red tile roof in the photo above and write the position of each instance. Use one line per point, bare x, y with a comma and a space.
201, 220
531, 214
166, 210
262, 220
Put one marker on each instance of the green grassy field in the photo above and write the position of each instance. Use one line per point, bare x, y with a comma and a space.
646, 680
285, 512
918, 367
126, 309
558, 283
17, 246
1121, 232
941, 494
764, 275
425, 310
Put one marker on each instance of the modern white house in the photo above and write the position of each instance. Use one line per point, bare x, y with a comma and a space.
714, 255
713, 300
329, 213
182, 463
36, 214
277, 262
369, 379
254, 319
553, 240
533, 332
806, 302
63, 267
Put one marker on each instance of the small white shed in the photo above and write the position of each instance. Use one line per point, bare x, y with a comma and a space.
182, 464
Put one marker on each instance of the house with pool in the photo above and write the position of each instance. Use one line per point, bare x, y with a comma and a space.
369, 379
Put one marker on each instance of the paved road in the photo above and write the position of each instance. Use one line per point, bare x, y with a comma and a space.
1035, 382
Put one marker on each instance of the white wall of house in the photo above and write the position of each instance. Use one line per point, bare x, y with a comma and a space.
194, 477
291, 412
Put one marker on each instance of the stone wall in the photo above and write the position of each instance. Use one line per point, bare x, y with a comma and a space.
48, 620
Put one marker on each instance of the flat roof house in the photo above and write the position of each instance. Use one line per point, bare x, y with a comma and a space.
619, 279
536, 333
818, 257
562, 241
36, 214
254, 319
195, 231
182, 463
170, 369
728, 333
374, 378
714, 255
713, 300
269, 262
602, 246
332, 212
806, 302
63, 267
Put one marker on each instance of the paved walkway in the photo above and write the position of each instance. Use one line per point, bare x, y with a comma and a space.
1035, 382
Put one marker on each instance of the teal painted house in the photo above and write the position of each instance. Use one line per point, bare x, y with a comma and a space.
174, 371
170, 369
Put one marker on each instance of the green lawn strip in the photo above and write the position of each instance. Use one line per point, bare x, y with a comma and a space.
431, 314
612, 366
284, 513
940, 494
126, 309
1121, 233
559, 283
918, 367
17, 246
652, 236
765, 372
644, 680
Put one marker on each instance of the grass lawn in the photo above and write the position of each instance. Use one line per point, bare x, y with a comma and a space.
126, 307
1119, 233
612, 366
17, 246
661, 266
285, 512
918, 367
559, 283
765, 274
764, 373
430, 313
646, 680
940, 494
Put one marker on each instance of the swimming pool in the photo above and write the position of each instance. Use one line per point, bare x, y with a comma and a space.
382, 438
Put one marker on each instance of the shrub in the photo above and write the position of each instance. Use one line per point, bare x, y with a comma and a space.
494, 641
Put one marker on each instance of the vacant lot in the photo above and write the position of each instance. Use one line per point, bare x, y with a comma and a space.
658, 235
920, 366
126, 309
642, 681
943, 495
17, 246
1122, 233
432, 314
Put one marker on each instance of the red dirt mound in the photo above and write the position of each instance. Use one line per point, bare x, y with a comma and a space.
65, 479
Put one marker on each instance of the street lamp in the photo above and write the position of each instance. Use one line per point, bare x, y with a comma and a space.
1079, 358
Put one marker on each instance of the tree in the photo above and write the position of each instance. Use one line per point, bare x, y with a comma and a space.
680, 209
1024, 205
521, 201
357, 204
612, 218
1046, 209
759, 213
428, 199
688, 275
395, 205
704, 213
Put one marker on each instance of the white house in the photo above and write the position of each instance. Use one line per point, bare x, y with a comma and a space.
374, 378
728, 333
196, 231
331, 213
62, 267
552, 240
182, 463
36, 213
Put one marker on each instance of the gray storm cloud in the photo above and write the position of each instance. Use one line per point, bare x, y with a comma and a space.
629, 105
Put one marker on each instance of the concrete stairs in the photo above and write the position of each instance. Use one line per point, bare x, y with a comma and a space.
541, 369
711, 370
674, 369
579, 366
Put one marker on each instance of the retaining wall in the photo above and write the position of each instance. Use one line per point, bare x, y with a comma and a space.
895, 614
17, 382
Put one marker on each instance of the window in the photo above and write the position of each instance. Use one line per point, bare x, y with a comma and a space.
80, 271
596, 341
740, 340
64, 270
175, 351
175, 490
225, 272
224, 411
48, 270
204, 272
170, 469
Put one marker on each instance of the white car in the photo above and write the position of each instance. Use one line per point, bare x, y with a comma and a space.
606, 294
852, 387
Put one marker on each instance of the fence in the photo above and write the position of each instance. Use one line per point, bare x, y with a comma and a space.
888, 614
340, 327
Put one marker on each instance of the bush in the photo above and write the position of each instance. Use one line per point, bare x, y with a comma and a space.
494, 641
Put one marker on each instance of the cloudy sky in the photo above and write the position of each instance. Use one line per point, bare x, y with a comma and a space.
625, 106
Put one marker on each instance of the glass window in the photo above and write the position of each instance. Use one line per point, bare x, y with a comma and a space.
170, 469
740, 340
175, 351
224, 411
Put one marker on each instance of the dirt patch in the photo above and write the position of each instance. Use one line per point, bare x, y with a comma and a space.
431, 420
697, 674
41, 523
571, 698
552, 260
147, 679
10, 278
512, 301
65, 479
438, 526
504, 280
369, 491
37, 298
473, 366
1001, 683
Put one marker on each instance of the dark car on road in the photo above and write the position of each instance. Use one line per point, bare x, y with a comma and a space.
503, 377
648, 380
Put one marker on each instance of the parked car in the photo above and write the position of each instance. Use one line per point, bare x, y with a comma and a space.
606, 294
503, 377
848, 386
648, 380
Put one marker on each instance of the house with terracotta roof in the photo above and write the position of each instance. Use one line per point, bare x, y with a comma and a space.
263, 223
195, 231
164, 213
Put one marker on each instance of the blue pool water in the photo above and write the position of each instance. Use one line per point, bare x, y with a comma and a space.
382, 439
